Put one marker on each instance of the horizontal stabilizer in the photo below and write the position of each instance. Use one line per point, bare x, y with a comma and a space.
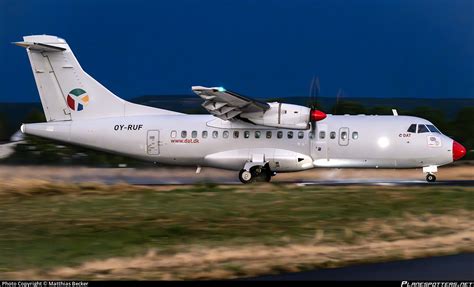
39, 47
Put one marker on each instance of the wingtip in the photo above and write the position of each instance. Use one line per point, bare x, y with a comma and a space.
216, 89
194, 88
21, 44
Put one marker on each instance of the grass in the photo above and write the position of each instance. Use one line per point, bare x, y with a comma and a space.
51, 225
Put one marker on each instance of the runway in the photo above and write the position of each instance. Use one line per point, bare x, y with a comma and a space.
340, 182
229, 178
347, 182
449, 176
442, 268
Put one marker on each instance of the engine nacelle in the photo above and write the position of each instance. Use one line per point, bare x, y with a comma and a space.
281, 116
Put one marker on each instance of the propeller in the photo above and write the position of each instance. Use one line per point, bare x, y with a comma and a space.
314, 90
315, 114
340, 93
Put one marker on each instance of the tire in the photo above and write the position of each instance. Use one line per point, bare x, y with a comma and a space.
430, 177
268, 176
245, 176
261, 174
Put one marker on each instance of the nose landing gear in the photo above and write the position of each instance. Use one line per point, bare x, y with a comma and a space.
430, 172
430, 177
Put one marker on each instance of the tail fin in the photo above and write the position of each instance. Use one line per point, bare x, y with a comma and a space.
66, 91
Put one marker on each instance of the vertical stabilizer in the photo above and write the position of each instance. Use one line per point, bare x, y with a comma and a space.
67, 92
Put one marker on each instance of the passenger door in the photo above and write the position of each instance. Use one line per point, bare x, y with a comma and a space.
152, 143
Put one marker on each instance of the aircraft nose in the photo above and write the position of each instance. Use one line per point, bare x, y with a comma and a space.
458, 150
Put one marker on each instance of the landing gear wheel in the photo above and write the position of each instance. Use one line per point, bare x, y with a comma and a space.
268, 176
261, 174
245, 176
430, 177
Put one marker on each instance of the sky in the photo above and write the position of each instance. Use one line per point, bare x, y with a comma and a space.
262, 49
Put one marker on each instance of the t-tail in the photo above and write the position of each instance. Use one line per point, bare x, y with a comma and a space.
67, 92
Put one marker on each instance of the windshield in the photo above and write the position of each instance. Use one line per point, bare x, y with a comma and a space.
433, 129
422, 129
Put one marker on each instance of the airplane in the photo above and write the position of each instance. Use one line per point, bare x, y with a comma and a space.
258, 139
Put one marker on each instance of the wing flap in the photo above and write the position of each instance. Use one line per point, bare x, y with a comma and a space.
212, 105
227, 105
230, 115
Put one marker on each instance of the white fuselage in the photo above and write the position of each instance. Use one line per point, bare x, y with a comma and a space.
339, 141
255, 137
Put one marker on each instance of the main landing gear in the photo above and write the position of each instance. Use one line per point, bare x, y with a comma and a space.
256, 174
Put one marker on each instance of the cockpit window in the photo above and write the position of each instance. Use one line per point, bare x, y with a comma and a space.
412, 128
433, 129
422, 129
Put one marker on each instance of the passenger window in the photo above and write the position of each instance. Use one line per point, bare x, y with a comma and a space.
279, 134
332, 135
194, 134
204, 134
269, 134
355, 135
322, 135
184, 134
258, 134
433, 129
412, 128
343, 135
215, 134
236, 134
300, 134
422, 129
225, 134
173, 134
246, 134
290, 135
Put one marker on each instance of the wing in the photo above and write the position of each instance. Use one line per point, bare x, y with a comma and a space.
227, 105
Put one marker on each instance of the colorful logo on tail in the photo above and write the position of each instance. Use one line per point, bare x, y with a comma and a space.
77, 99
